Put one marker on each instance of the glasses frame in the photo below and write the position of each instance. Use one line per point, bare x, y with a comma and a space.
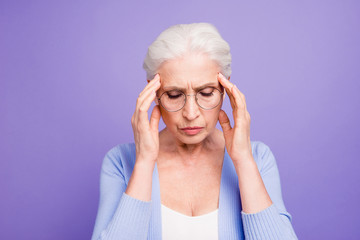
196, 99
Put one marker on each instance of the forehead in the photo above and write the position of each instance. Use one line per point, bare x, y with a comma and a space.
189, 71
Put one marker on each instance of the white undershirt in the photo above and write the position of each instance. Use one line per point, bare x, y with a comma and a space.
177, 226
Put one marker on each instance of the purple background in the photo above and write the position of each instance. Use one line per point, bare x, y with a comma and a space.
71, 71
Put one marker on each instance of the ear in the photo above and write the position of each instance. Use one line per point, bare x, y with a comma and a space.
229, 78
148, 80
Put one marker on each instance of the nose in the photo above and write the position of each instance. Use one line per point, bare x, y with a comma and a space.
191, 109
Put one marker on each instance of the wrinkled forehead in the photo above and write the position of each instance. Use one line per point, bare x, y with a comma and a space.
189, 83
189, 72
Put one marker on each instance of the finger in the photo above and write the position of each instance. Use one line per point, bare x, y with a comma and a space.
144, 107
143, 97
156, 76
228, 87
241, 103
154, 81
224, 122
225, 82
155, 118
240, 109
238, 98
242, 97
148, 91
231, 97
233, 92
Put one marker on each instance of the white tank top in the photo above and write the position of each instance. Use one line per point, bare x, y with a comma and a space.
177, 226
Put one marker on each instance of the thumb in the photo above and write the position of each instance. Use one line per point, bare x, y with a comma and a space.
224, 122
155, 118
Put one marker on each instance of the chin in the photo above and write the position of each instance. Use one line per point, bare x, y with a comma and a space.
194, 139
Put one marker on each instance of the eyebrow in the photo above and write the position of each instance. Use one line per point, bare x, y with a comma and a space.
212, 84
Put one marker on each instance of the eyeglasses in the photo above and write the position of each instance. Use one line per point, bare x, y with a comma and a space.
206, 98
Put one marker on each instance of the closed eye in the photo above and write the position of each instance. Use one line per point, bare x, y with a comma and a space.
204, 94
207, 92
174, 96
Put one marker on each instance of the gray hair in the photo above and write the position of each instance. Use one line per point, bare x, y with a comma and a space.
177, 40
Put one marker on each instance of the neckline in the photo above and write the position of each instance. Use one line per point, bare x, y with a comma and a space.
191, 217
229, 202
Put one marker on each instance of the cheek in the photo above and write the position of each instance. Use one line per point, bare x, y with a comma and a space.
212, 117
168, 119
164, 115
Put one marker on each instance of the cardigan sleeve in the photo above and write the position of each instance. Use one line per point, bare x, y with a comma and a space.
273, 222
119, 215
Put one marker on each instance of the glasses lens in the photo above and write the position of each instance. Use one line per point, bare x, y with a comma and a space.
208, 98
172, 100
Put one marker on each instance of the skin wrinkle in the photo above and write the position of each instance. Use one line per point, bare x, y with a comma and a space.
190, 73
190, 165
211, 84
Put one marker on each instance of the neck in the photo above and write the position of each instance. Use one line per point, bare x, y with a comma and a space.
192, 149
191, 154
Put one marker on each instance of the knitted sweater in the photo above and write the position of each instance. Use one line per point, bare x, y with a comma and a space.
123, 217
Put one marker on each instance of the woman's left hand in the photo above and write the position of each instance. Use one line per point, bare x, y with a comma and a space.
237, 138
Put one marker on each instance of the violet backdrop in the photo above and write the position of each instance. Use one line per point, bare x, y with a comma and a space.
70, 73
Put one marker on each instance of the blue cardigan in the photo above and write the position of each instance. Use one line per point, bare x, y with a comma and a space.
123, 217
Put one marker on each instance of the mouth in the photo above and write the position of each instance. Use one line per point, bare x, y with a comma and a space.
191, 130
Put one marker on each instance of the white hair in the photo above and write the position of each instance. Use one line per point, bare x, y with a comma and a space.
177, 40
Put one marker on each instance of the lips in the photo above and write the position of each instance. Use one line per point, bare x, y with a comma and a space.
191, 130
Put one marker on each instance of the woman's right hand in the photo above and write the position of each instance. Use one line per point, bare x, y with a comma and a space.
146, 133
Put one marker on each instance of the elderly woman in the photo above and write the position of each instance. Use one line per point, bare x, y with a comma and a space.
191, 180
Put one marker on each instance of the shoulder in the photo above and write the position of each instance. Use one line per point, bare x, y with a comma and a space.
259, 147
119, 160
263, 155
